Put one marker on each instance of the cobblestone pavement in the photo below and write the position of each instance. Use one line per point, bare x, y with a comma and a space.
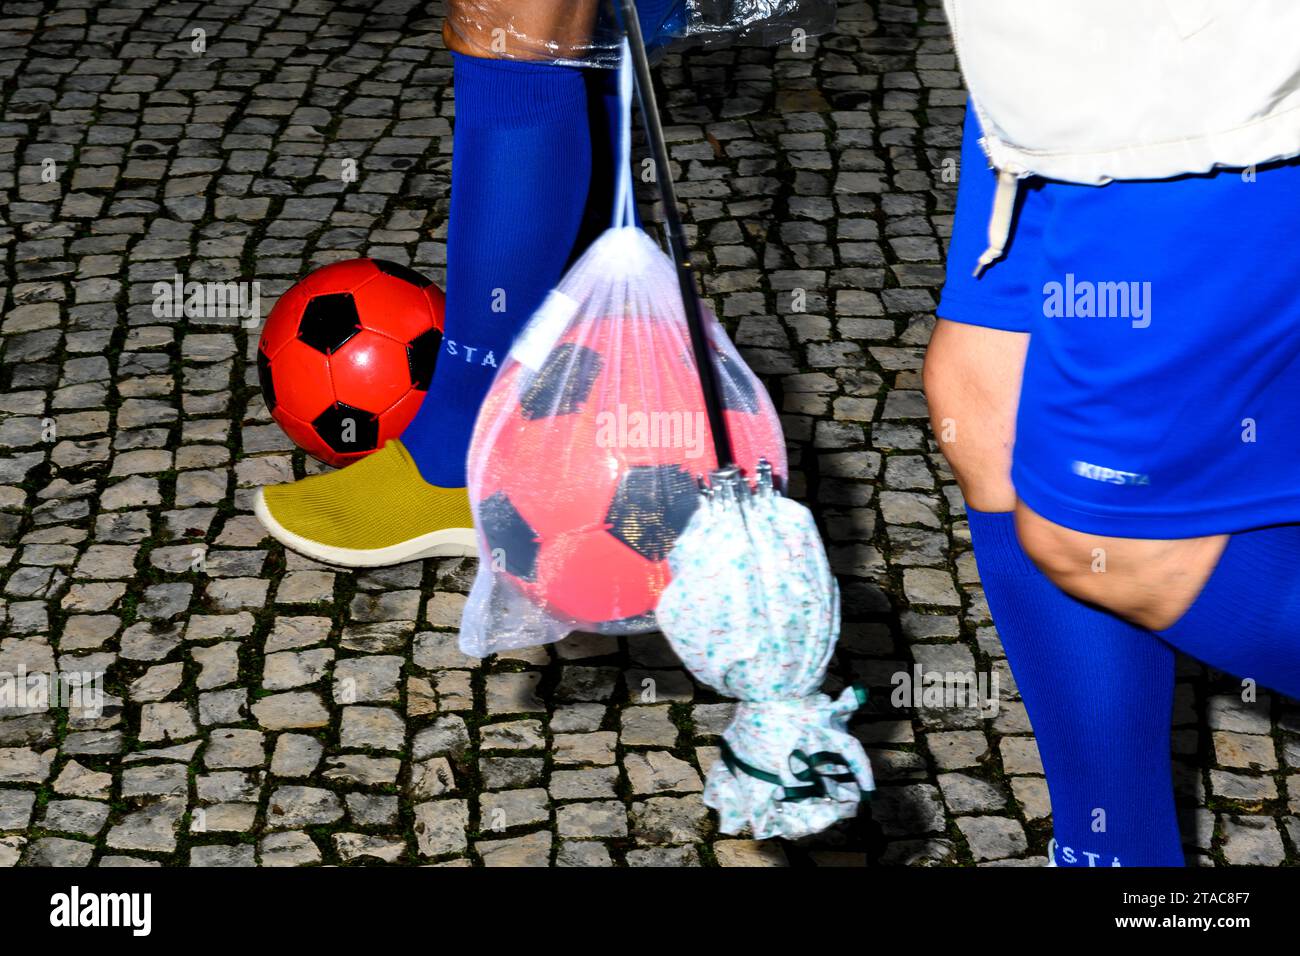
132, 446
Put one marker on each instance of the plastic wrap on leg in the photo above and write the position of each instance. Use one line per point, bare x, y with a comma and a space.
588, 33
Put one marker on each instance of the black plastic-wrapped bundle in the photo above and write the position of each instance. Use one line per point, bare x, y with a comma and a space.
765, 22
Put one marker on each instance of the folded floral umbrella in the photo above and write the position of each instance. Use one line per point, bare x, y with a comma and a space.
754, 612
752, 608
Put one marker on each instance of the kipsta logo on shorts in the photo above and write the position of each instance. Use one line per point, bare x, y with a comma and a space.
1111, 476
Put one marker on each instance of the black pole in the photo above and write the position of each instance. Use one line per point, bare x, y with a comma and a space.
677, 239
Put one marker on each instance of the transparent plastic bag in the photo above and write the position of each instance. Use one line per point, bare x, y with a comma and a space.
587, 450
586, 453
588, 33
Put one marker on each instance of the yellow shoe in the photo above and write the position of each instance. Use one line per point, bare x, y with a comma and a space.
375, 512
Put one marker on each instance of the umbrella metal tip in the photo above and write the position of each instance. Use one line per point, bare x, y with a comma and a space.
727, 484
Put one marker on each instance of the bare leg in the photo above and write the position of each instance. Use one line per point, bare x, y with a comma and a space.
1150, 582
520, 29
972, 382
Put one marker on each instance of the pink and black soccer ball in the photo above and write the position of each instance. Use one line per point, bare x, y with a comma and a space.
576, 513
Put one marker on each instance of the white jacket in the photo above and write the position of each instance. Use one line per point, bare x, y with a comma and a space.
1093, 90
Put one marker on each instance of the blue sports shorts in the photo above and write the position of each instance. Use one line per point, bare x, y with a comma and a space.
1161, 392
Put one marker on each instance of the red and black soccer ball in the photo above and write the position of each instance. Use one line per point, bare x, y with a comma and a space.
577, 500
347, 355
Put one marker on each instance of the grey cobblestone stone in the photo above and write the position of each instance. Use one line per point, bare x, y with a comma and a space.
280, 713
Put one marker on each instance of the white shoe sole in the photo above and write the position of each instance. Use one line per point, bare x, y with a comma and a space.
447, 543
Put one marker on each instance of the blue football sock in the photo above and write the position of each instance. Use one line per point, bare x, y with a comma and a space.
1099, 694
1246, 620
520, 171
